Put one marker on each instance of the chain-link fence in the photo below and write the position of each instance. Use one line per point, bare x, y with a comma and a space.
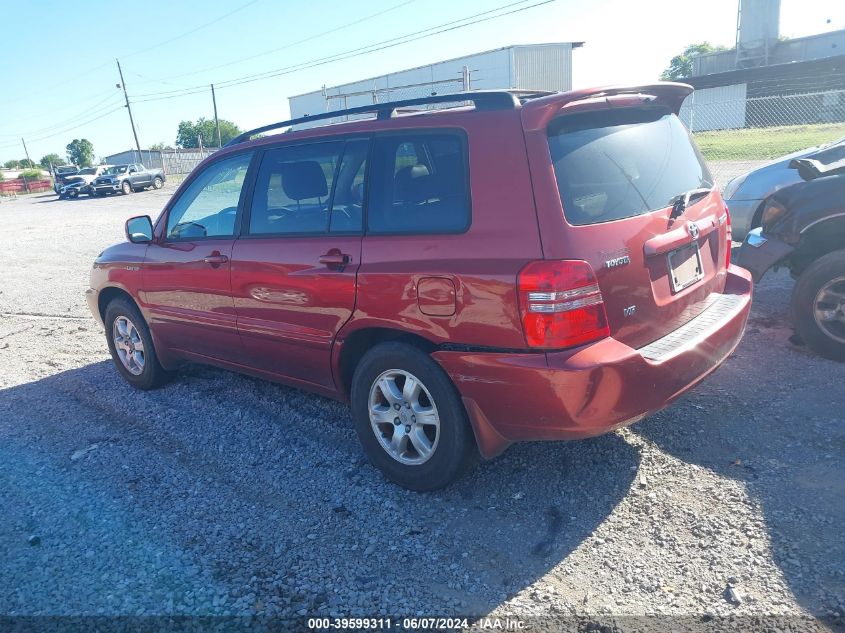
737, 134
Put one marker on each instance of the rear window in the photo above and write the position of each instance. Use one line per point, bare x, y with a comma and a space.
419, 184
617, 164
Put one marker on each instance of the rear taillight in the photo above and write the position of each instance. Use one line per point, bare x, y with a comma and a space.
561, 304
729, 233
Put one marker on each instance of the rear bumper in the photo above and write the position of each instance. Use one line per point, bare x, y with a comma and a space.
596, 388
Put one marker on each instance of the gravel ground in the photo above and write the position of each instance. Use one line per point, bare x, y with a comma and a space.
222, 494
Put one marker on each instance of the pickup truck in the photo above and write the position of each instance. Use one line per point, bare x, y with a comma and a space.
126, 179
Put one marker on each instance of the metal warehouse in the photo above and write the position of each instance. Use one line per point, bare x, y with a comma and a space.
533, 66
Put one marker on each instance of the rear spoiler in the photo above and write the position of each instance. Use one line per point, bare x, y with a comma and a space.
538, 113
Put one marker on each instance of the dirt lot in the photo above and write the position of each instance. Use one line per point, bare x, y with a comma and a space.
221, 494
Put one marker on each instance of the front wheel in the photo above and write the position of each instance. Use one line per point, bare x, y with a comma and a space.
409, 418
158, 183
131, 346
818, 306
126, 188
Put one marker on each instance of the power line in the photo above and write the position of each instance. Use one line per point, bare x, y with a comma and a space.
362, 49
453, 25
61, 107
89, 71
99, 106
69, 129
194, 30
286, 46
371, 48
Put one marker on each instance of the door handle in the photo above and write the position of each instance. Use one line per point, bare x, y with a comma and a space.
335, 259
215, 259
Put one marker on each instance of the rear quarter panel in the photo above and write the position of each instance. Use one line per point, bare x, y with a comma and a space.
482, 263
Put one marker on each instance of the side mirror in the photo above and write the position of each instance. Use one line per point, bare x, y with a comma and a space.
139, 230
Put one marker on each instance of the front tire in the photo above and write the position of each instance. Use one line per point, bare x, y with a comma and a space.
126, 188
158, 183
818, 306
410, 419
131, 346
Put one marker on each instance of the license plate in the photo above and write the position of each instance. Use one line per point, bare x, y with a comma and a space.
685, 267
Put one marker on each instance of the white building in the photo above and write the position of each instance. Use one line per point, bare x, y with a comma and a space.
532, 66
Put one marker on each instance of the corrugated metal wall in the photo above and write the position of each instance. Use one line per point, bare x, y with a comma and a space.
540, 67
721, 108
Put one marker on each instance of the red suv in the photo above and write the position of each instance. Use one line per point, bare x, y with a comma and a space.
520, 266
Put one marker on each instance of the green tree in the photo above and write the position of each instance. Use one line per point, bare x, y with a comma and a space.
190, 132
11, 164
680, 67
51, 159
80, 152
25, 163
161, 146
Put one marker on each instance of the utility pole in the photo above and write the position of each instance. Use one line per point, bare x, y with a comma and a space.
131, 120
29, 160
216, 120
26, 151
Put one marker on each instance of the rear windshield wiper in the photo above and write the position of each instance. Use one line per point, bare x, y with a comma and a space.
681, 202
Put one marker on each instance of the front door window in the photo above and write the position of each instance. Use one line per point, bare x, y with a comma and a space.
209, 207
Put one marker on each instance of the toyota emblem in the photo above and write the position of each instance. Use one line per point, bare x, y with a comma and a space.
692, 227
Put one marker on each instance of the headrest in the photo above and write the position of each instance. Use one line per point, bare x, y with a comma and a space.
304, 180
410, 172
412, 184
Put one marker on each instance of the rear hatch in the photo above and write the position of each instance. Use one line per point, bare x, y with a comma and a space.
638, 206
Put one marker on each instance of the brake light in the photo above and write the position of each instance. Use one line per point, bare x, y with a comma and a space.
561, 304
729, 233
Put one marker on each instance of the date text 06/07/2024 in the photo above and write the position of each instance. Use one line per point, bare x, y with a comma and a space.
416, 623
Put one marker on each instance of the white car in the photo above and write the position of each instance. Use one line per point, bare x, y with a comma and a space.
81, 182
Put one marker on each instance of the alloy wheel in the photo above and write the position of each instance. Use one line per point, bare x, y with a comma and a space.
829, 309
403, 417
128, 345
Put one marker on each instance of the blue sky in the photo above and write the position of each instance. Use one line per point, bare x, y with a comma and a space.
59, 72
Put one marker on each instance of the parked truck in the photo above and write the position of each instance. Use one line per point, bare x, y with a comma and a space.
127, 178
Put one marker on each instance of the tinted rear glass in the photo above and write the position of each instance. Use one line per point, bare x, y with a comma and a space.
617, 164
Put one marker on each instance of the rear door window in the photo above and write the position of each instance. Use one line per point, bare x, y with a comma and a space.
617, 164
419, 184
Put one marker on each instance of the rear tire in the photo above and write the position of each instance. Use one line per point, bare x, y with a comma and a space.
127, 334
818, 306
430, 416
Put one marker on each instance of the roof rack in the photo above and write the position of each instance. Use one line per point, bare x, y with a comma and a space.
482, 100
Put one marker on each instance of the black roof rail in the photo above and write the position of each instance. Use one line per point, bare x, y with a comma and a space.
482, 100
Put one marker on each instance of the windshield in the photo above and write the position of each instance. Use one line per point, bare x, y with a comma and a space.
611, 165
87, 170
117, 169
